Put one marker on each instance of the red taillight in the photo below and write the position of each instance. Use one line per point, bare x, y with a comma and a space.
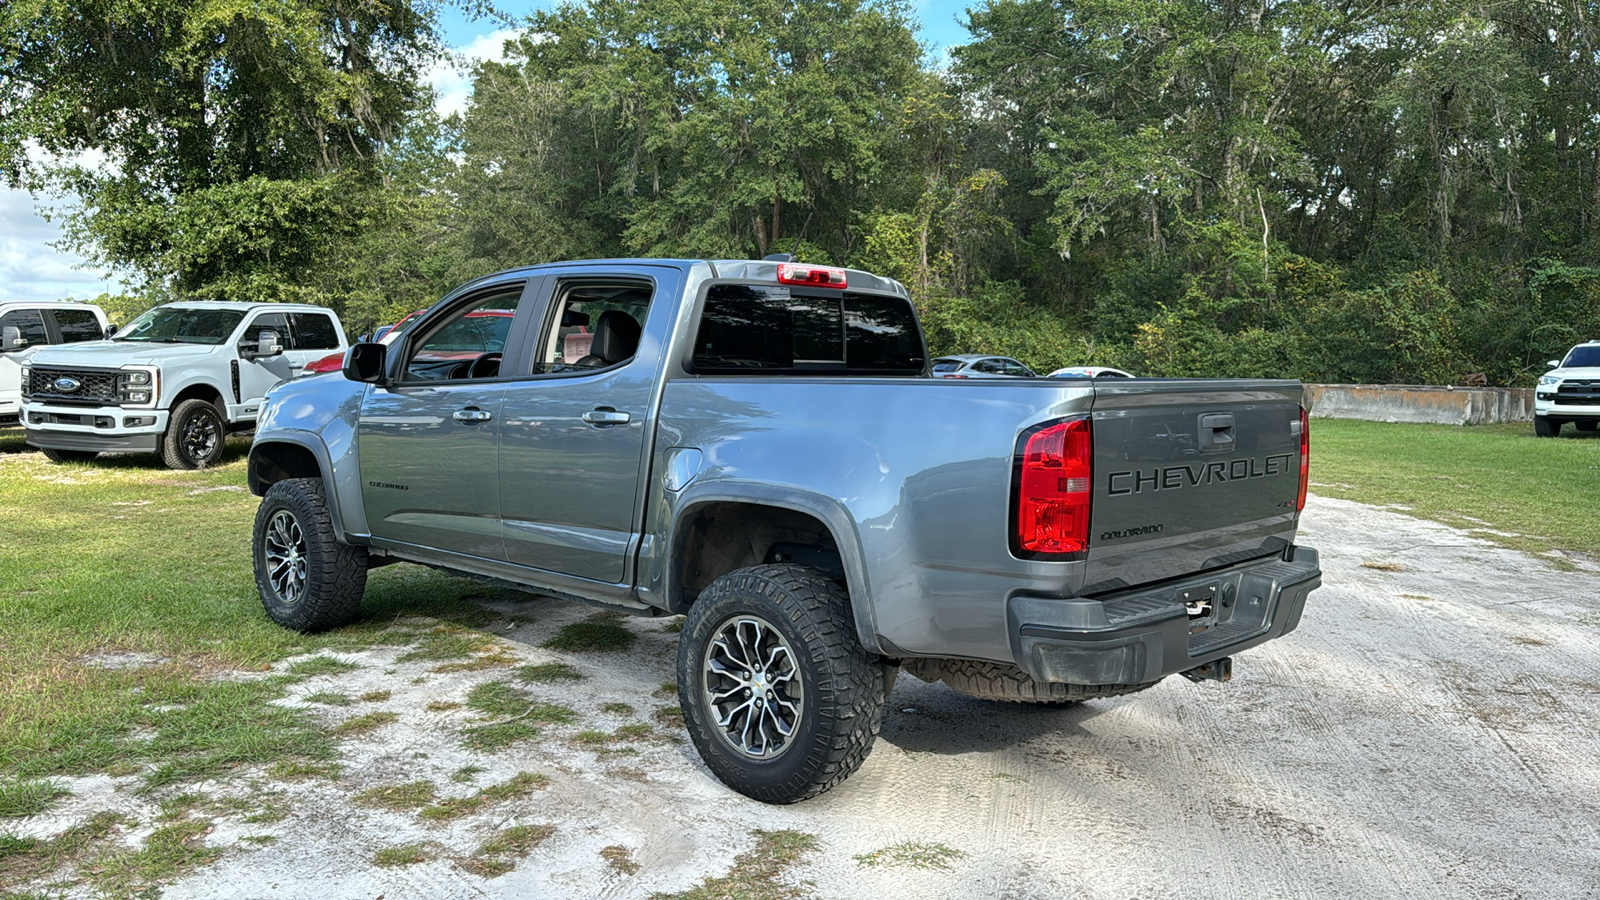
811, 276
1053, 484
1305, 459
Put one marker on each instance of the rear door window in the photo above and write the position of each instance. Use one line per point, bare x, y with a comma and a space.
77, 325
313, 331
757, 329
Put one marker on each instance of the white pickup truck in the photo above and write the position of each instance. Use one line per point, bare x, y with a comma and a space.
26, 327
175, 381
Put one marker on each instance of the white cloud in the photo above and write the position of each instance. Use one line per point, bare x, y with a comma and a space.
452, 77
30, 269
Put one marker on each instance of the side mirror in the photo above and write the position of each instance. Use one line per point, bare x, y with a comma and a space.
366, 362
1554, 363
267, 343
365, 338
11, 338
111, 330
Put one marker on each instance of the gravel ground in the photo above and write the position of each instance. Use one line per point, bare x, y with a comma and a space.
1431, 730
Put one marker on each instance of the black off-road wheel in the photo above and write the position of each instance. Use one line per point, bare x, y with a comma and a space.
778, 694
61, 456
195, 436
1544, 426
1585, 424
308, 581
997, 681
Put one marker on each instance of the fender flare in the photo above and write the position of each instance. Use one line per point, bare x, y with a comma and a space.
311, 442
833, 515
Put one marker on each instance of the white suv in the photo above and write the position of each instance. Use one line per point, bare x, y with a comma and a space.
28, 327
175, 381
1569, 392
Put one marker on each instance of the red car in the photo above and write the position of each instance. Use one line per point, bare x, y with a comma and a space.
333, 362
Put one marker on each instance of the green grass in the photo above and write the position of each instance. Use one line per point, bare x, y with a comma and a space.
1485, 479
398, 797
364, 723
168, 852
499, 854
548, 672
321, 665
592, 636
452, 808
404, 855
914, 854
756, 874
27, 798
329, 698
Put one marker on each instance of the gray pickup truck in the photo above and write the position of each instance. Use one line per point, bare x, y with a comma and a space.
759, 446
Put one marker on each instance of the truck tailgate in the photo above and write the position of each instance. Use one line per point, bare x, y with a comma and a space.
1190, 475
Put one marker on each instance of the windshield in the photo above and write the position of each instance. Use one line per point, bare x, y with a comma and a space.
1582, 357
178, 325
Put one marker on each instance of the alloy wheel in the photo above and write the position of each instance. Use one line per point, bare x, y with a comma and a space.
753, 687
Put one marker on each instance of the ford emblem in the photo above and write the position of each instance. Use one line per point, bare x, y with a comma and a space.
67, 385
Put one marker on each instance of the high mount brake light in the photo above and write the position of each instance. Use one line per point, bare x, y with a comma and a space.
811, 276
1054, 475
1305, 459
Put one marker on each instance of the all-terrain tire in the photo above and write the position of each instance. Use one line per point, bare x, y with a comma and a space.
797, 627
195, 437
61, 456
1544, 426
997, 681
1585, 424
307, 579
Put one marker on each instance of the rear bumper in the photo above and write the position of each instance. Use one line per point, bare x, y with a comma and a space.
1148, 633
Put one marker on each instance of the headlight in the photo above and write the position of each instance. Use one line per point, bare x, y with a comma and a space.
137, 387
27, 376
1549, 379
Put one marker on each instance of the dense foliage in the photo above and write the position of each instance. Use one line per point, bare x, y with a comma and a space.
1392, 190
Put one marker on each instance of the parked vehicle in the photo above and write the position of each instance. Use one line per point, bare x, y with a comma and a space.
175, 381
1089, 372
976, 365
756, 445
1569, 392
333, 362
28, 327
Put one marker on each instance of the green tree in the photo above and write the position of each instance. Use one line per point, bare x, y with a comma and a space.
217, 146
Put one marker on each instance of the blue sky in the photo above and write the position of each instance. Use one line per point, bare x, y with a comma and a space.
30, 269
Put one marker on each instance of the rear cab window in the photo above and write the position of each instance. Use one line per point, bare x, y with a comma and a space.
771, 330
77, 325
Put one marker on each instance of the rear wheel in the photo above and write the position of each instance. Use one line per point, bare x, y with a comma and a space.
996, 681
1585, 425
307, 579
195, 436
778, 694
1544, 426
62, 456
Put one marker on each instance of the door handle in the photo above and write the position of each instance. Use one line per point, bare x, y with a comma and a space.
472, 415
606, 416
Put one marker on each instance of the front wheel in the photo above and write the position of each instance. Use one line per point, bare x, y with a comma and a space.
778, 694
307, 579
1544, 426
195, 436
61, 456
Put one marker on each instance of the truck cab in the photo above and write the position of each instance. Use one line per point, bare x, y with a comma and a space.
175, 381
29, 327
